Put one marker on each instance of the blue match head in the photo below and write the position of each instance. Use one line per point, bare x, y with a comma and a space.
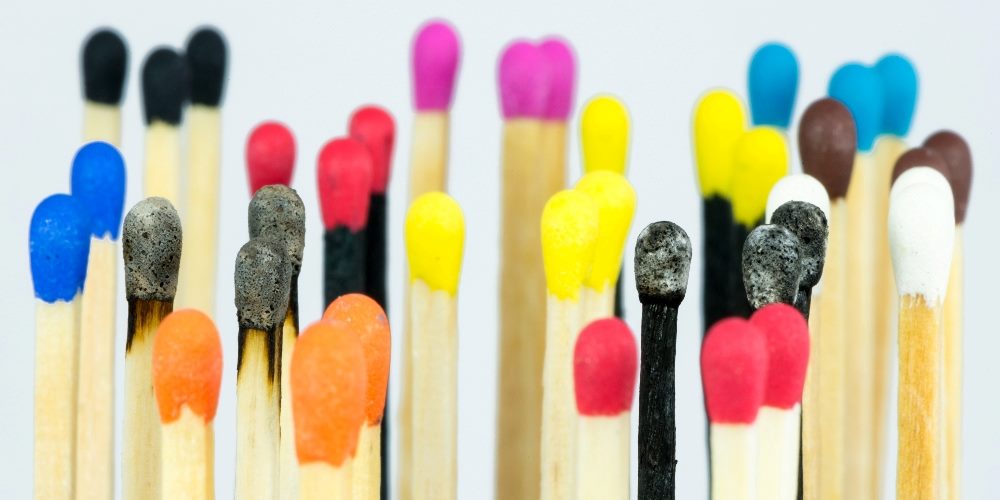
860, 89
98, 181
899, 93
59, 244
773, 81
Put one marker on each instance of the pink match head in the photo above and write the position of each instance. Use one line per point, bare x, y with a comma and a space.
787, 336
344, 178
604, 368
375, 128
734, 371
524, 81
562, 78
434, 64
270, 155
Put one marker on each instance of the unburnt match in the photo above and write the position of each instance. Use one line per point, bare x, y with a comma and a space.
104, 61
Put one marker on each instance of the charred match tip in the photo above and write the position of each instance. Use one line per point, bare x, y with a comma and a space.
151, 245
771, 267
662, 262
263, 280
808, 223
277, 212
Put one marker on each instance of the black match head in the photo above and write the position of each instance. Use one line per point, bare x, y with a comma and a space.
166, 83
276, 211
808, 223
206, 57
263, 281
104, 61
662, 261
151, 245
771, 267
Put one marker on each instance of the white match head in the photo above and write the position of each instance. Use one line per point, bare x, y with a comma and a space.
921, 234
919, 175
797, 187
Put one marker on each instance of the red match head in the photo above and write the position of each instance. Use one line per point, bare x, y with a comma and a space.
604, 368
734, 371
270, 155
787, 336
344, 177
375, 128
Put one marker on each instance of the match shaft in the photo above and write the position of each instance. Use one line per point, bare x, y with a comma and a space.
102, 122
288, 463
953, 339
719, 248
55, 398
429, 156
187, 453
559, 416
257, 407
657, 430
163, 162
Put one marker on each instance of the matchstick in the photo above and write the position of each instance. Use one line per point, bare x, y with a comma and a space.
569, 229
104, 61
187, 373
59, 243
262, 281
616, 202
98, 181
772, 84
206, 60
772, 268
270, 156
662, 261
328, 400
734, 362
165, 88
368, 319
604, 371
805, 216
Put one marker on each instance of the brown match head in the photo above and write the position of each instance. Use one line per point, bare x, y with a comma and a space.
151, 246
920, 157
263, 280
276, 211
953, 148
827, 143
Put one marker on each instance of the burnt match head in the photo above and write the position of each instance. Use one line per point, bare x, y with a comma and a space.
808, 223
827, 144
151, 244
920, 157
104, 62
277, 212
263, 281
166, 83
771, 267
953, 148
206, 57
662, 262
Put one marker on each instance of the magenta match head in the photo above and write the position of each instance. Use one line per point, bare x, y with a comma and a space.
604, 368
562, 74
524, 81
734, 371
435, 55
787, 337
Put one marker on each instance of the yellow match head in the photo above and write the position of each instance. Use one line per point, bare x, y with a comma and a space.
761, 160
615, 201
569, 238
604, 134
720, 120
435, 235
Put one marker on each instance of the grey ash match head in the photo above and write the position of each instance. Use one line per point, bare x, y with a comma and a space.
771, 267
151, 245
808, 223
263, 280
662, 262
277, 212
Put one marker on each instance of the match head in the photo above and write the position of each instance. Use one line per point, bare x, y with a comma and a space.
920, 157
344, 178
719, 123
98, 181
368, 321
277, 212
206, 58
263, 280
772, 270
921, 233
151, 245
787, 335
899, 93
562, 78
329, 381
435, 236
435, 56
374, 127
827, 144
761, 159
953, 148
524, 79
270, 155
734, 365
166, 84
104, 61
604, 368
59, 246
773, 82
569, 239
797, 187
809, 224
187, 365
616, 202
604, 135
662, 263
860, 89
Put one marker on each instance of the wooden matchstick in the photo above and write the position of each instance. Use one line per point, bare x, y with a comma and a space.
104, 61
165, 89
616, 202
270, 156
772, 85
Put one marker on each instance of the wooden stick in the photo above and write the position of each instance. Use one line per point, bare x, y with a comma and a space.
734, 461
105, 61
164, 89
102, 122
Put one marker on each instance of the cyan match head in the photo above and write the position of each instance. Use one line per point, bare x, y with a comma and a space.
773, 81
899, 93
860, 89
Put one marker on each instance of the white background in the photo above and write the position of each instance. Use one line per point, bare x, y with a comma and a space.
310, 64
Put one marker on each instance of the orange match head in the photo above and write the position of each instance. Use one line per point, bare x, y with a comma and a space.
367, 320
328, 393
187, 365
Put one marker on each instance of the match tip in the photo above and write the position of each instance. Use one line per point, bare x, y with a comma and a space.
604, 134
187, 365
344, 177
105, 64
920, 157
827, 144
151, 245
860, 89
604, 368
761, 159
899, 93
616, 202
206, 58
569, 239
771, 267
562, 78
662, 263
773, 82
734, 371
435, 236
166, 84
270, 155
98, 181
435, 63
797, 187
719, 123
277, 212
263, 280
953, 148
59, 246
921, 233
328, 382
809, 224
787, 336
374, 127
368, 321
524, 81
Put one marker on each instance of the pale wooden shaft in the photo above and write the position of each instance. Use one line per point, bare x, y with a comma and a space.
141, 437
256, 423
56, 330
734, 460
367, 476
102, 122
553, 156
186, 457
288, 462
832, 353
322, 481
598, 304
161, 176
951, 474
559, 416
778, 453
602, 466
811, 411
